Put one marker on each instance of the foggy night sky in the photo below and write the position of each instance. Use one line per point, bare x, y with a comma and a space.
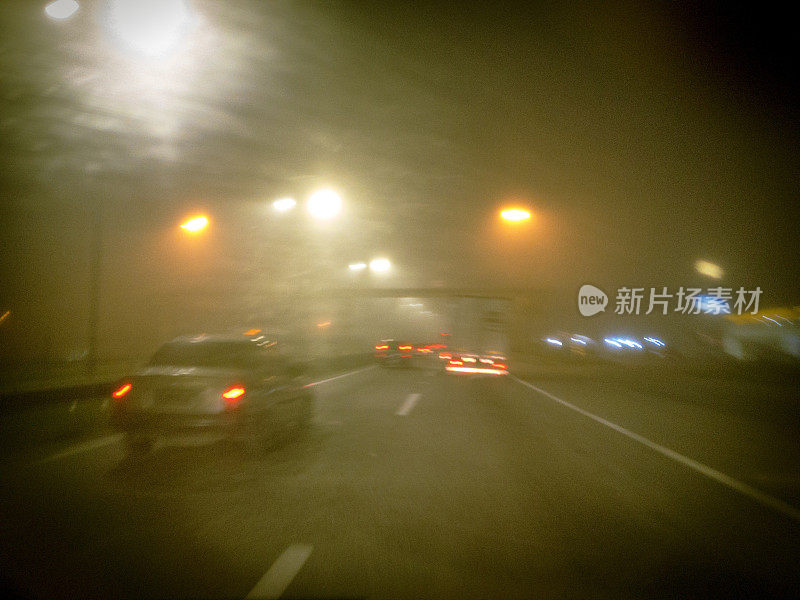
643, 136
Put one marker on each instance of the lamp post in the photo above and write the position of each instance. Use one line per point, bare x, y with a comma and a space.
95, 268
150, 28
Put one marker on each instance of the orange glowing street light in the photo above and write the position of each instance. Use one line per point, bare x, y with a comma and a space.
515, 215
195, 224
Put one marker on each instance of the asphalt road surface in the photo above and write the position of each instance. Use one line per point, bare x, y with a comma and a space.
418, 484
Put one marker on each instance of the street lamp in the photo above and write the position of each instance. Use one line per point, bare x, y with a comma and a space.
380, 265
150, 27
283, 205
515, 215
708, 269
195, 224
324, 204
61, 9
359, 266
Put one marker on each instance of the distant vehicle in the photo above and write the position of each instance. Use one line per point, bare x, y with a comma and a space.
394, 353
211, 387
433, 352
772, 334
466, 363
481, 328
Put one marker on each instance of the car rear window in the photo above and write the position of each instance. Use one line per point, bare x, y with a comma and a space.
209, 354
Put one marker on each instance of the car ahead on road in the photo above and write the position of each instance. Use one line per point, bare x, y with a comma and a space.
211, 387
393, 353
466, 363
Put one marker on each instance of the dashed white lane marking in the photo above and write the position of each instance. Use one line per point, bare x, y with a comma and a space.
408, 405
85, 447
281, 573
734, 484
339, 376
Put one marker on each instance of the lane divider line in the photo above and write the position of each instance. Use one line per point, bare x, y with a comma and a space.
339, 376
80, 448
734, 484
408, 405
281, 573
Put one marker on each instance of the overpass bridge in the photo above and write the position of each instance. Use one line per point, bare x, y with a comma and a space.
467, 313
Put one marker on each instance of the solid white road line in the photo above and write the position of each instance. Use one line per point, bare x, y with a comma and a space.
339, 376
281, 573
408, 405
85, 447
734, 484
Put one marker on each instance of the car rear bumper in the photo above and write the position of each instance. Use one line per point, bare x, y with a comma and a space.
397, 360
173, 425
472, 370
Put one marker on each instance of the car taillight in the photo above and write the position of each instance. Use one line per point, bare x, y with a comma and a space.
121, 391
404, 347
445, 355
456, 362
381, 347
499, 366
233, 394
468, 359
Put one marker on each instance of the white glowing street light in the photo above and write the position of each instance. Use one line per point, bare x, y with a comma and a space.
324, 204
283, 205
380, 265
708, 269
150, 27
360, 266
61, 9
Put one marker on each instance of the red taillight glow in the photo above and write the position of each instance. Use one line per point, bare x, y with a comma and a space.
404, 347
499, 366
121, 391
381, 347
233, 393
456, 362
445, 355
